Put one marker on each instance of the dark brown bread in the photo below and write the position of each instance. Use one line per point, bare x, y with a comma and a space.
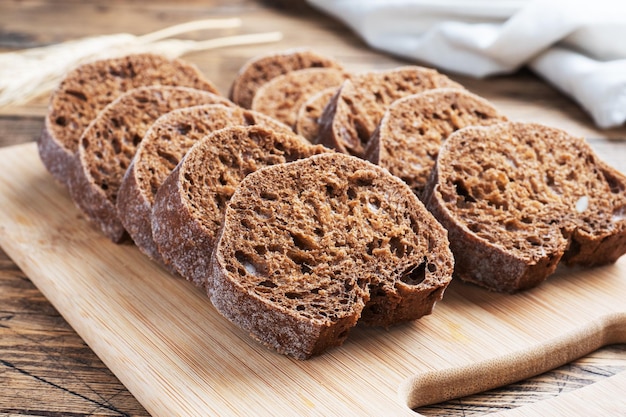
311, 247
351, 116
310, 112
163, 146
282, 96
517, 198
189, 205
261, 69
90, 87
413, 128
109, 143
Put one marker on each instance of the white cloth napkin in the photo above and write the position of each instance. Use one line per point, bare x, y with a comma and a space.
579, 46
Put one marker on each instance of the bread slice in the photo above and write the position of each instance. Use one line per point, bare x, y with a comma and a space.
309, 114
90, 87
518, 198
413, 128
189, 205
311, 247
109, 143
163, 146
351, 116
263, 68
282, 96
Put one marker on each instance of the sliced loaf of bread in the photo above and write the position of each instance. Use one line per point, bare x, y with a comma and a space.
518, 198
351, 116
413, 128
163, 146
308, 117
311, 247
263, 68
108, 145
90, 87
189, 206
282, 96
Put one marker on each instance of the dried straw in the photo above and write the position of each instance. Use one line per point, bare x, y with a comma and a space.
29, 73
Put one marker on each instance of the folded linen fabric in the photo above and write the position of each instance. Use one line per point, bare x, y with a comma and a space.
572, 44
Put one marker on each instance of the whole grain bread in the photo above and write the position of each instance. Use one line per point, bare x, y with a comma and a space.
109, 143
260, 69
311, 247
90, 87
413, 128
352, 114
518, 198
282, 96
309, 114
189, 205
163, 146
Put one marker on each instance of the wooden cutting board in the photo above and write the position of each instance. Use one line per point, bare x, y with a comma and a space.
178, 356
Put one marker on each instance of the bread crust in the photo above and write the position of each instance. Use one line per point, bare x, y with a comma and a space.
58, 161
272, 326
134, 209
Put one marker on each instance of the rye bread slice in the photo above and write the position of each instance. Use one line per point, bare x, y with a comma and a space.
163, 146
109, 143
189, 206
308, 117
413, 128
311, 247
518, 198
352, 114
260, 69
87, 89
282, 96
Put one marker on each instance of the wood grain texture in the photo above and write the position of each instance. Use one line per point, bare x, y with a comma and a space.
35, 338
178, 356
45, 367
596, 367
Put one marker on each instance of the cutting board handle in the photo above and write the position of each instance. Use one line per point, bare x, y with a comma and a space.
441, 385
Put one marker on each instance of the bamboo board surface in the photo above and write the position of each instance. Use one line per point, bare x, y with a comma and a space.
178, 356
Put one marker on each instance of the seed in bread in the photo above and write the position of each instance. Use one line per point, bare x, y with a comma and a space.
351, 116
109, 143
163, 146
263, 68
517, 198
86, 90
413, 128
189, 206
311, 247
282, 96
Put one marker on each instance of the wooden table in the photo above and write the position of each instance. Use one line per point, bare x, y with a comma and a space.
46, 368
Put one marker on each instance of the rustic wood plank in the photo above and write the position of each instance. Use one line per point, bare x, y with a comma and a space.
16, 129
45, 367
35, 342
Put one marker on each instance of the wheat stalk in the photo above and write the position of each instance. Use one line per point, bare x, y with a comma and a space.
29, 73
